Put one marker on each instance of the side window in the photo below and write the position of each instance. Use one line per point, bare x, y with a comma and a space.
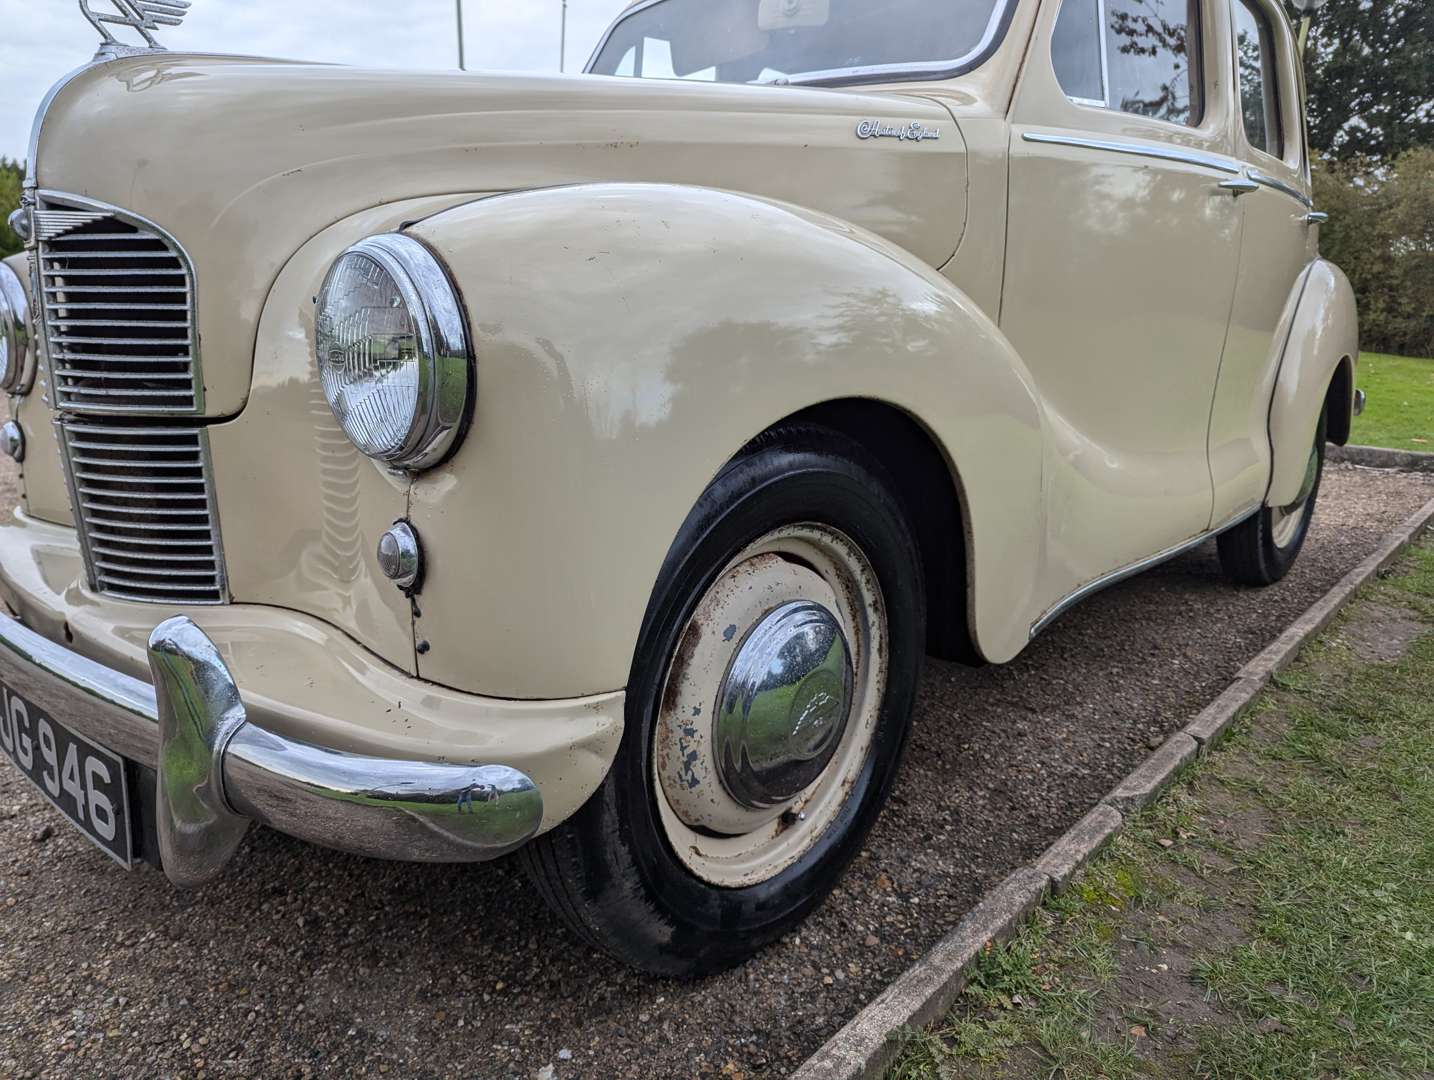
1078, 51
1259, 83
1137, 56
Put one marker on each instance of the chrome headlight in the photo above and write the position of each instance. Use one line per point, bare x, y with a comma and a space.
14, 330
393, 351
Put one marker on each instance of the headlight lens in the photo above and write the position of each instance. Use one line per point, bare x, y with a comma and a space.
14, 330
393, 351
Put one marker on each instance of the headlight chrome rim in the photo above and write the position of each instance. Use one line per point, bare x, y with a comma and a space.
15, 344
445, 360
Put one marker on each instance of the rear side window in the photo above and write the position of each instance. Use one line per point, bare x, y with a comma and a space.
1259, 84
1136, 56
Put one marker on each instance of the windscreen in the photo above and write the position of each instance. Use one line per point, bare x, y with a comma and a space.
746, 41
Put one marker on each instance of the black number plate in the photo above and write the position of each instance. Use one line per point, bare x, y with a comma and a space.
83, 781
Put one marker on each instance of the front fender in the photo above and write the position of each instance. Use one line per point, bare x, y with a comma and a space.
1324, 337
630, 339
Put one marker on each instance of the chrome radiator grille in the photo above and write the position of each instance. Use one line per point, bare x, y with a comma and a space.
117, 295
144, 507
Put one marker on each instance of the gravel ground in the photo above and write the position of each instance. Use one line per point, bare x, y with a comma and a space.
307, 962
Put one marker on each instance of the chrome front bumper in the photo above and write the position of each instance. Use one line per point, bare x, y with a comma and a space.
217, 772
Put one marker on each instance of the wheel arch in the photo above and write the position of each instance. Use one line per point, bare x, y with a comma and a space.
928, 487
1316, 375
1339, 401
632, 338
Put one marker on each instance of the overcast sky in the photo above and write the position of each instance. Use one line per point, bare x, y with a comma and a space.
40, 40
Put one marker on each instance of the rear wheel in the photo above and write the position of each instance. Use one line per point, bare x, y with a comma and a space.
1263, 547
767, 712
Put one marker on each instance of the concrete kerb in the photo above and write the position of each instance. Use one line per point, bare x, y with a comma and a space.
925, 992
927, 989
1377, 457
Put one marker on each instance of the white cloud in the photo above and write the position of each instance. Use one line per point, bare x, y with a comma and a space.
42, 40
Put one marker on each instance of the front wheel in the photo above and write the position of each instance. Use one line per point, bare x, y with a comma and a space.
767, 711
1263, 547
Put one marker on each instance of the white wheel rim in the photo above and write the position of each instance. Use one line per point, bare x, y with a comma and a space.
804, 564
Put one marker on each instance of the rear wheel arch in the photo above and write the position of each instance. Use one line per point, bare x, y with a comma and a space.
1339, 402
1315, 377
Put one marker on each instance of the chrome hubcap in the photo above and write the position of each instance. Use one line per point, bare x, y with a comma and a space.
783, 705
770, 705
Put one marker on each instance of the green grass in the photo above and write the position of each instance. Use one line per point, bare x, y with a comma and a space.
1293, 869
1400, 413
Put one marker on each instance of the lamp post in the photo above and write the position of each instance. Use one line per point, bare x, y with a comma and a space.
1306, 8
563, 40
459, 6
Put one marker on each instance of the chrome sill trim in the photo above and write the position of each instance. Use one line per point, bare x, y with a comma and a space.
990, 37
1161, 153
217, 771
1105, 581
1280, 186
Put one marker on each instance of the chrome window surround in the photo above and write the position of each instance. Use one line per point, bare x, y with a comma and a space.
1274, 110
445, 387
1104, 103
991, 38
65, 428
1097, 103
55, 359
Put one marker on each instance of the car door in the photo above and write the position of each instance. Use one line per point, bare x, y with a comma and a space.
1277, 242
1122, 249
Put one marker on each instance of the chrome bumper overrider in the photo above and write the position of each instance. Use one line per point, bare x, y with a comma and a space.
217, 771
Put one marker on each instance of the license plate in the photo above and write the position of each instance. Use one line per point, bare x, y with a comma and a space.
83, 781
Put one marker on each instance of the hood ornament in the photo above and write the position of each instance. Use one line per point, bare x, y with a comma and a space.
142, 16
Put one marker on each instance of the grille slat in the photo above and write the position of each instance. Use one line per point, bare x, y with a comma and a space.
67, 262
141, 511
141, 375
60, 269
117, 289
107, 538
124, 359
124, 463
145, 509
68, 340
128, 306
68, 320
135, 351
121, 393
144, 571
138, 234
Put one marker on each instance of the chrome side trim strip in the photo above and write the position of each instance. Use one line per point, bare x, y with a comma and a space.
1280, 186
990, 37
1106, 580
1150, 150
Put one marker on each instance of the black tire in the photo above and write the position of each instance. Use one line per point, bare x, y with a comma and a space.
1250, 554
609, 871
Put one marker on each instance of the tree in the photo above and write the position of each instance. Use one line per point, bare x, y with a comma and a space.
1381, 233
1370, 68
12, 178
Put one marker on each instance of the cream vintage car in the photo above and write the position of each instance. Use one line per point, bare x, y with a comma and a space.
438, 465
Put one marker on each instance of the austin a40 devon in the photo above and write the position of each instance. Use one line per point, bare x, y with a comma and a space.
437, 466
